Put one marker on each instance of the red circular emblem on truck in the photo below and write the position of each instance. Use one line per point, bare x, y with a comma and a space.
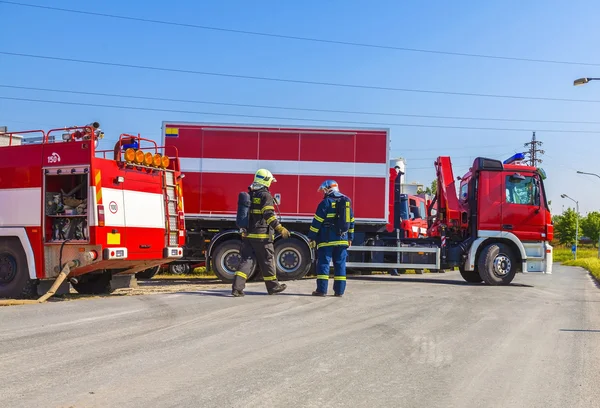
112, 206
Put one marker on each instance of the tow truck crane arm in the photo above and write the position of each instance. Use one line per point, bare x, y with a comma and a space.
445, 200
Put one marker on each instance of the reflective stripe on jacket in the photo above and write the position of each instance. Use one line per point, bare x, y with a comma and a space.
322, 229
263, 220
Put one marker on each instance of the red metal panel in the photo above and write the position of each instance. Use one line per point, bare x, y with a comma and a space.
326, 147
188, 142
219, 144
279, 146
371, 147
192, 192
287, 187
369, 201
220, 192
145, 243
20, 166
66, 154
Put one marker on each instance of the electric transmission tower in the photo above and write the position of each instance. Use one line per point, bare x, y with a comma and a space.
534, 151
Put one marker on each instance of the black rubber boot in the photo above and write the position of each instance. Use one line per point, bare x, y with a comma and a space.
317, 293
237, 293
278, 289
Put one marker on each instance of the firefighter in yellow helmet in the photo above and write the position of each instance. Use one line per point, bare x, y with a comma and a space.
257, 241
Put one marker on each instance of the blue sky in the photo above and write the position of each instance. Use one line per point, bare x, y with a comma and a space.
533, 29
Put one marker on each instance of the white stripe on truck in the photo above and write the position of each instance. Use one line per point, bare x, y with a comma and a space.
284, 167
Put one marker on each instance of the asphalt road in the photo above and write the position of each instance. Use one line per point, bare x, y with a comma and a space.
408, 341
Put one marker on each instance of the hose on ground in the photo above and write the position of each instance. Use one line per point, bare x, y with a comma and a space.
59, 280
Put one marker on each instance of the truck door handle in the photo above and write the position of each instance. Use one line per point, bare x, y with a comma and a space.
507, 226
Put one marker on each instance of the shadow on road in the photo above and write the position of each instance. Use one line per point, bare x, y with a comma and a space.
184, 281
425, 280
227, 293
580, 330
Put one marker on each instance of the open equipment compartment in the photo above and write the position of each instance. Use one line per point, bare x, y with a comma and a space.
66, 192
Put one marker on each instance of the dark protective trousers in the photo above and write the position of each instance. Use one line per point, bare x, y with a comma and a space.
325, 255
261, 252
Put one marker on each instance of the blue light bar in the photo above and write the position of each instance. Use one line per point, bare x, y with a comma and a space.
132, 145
514, 158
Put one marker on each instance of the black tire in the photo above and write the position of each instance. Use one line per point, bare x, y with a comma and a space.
148, 274
292, 259
179, 268
470, 276
497, 264
226, 259
14, 272
94, 284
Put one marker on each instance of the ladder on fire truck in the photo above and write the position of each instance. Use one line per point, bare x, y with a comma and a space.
172, 197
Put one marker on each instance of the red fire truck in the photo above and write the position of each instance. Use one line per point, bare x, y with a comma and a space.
413, 212
106, 212
480, 233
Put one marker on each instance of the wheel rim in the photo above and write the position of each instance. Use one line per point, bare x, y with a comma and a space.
8, 268
230, 261
289, 260
179, 268
502, 265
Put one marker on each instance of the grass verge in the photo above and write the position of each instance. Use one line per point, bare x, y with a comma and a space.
591, 264
565, 254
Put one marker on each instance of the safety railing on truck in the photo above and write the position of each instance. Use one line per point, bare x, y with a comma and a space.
70, 134
403, 254
129, 150
16, 138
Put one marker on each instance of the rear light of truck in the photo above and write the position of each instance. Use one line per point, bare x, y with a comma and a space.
100, 215
181, 221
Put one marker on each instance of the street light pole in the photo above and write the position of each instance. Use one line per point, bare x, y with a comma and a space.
576, 221
592, 174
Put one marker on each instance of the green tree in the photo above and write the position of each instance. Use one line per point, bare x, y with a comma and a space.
590, 226
565, 226
431, 190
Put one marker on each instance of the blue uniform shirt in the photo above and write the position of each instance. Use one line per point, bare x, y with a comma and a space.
321, 229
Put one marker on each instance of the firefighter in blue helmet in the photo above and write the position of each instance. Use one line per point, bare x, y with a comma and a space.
332, 232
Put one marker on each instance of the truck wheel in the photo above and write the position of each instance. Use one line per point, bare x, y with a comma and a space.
148, 274
470, 276
226, 260
497, 265
179, 268
14, 272
292, 259
93, 284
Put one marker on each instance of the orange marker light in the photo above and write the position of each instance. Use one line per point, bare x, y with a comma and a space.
165, 162
139, 157
157, 160
129, 155
148, 159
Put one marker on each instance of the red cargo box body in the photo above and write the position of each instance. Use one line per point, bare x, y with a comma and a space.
219, 160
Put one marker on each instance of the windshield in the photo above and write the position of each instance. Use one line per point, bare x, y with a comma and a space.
404, 207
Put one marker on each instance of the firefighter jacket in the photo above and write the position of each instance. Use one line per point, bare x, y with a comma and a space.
263, 220
323, 229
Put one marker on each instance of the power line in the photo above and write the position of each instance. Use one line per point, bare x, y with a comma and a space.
150, 98
294, 81
139, 108
299, 38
